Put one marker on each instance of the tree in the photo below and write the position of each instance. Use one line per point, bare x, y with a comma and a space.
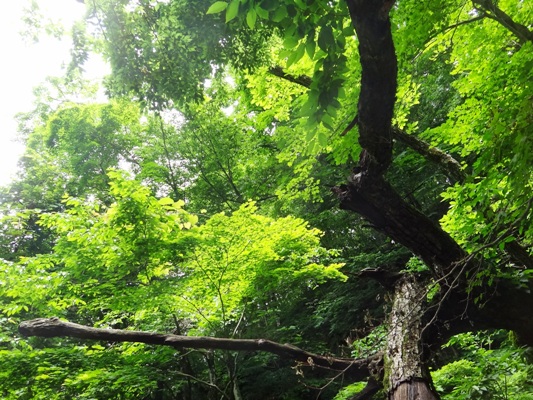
477, 260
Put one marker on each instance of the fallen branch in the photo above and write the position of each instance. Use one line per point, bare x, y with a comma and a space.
54, 327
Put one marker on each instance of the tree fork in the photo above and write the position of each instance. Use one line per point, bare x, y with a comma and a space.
368, 193
371, 196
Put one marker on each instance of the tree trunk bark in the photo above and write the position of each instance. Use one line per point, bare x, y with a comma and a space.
406, 374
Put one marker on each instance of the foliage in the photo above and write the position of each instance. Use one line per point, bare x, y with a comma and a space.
142, 261
86, 372
163, 51
487, 370
493, 139
349, 391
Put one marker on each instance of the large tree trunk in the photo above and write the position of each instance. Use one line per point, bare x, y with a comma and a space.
371, 196
406, 373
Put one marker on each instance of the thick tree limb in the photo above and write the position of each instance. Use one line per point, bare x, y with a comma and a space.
452, 168
372, 197
54, 327
503, 305
378, 82
389, 213
368, 193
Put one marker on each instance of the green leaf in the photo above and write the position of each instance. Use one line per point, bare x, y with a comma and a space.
217, 7
322, 139
348, 31
325, 38
301, 4
311, 146
165, 201
290, 42
251, 17
308, 109
328, 122
296, 55
232, 11
280, 14
310, 47
261, 12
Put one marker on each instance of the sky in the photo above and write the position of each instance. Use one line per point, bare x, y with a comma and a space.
25, 65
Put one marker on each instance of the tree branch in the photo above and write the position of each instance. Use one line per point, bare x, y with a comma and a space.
368, 193
371, 196
54, 327
503, 305
492, 11
452, 167
302, 80
376, 200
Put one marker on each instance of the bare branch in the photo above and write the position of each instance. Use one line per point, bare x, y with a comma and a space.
54, 327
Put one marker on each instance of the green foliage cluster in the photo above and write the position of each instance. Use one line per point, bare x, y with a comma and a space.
141, 262
486, 370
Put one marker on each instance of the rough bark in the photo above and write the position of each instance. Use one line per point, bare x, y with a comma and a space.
368, 193
378, 81
371, 196
54, 327
406, 372
376, 200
